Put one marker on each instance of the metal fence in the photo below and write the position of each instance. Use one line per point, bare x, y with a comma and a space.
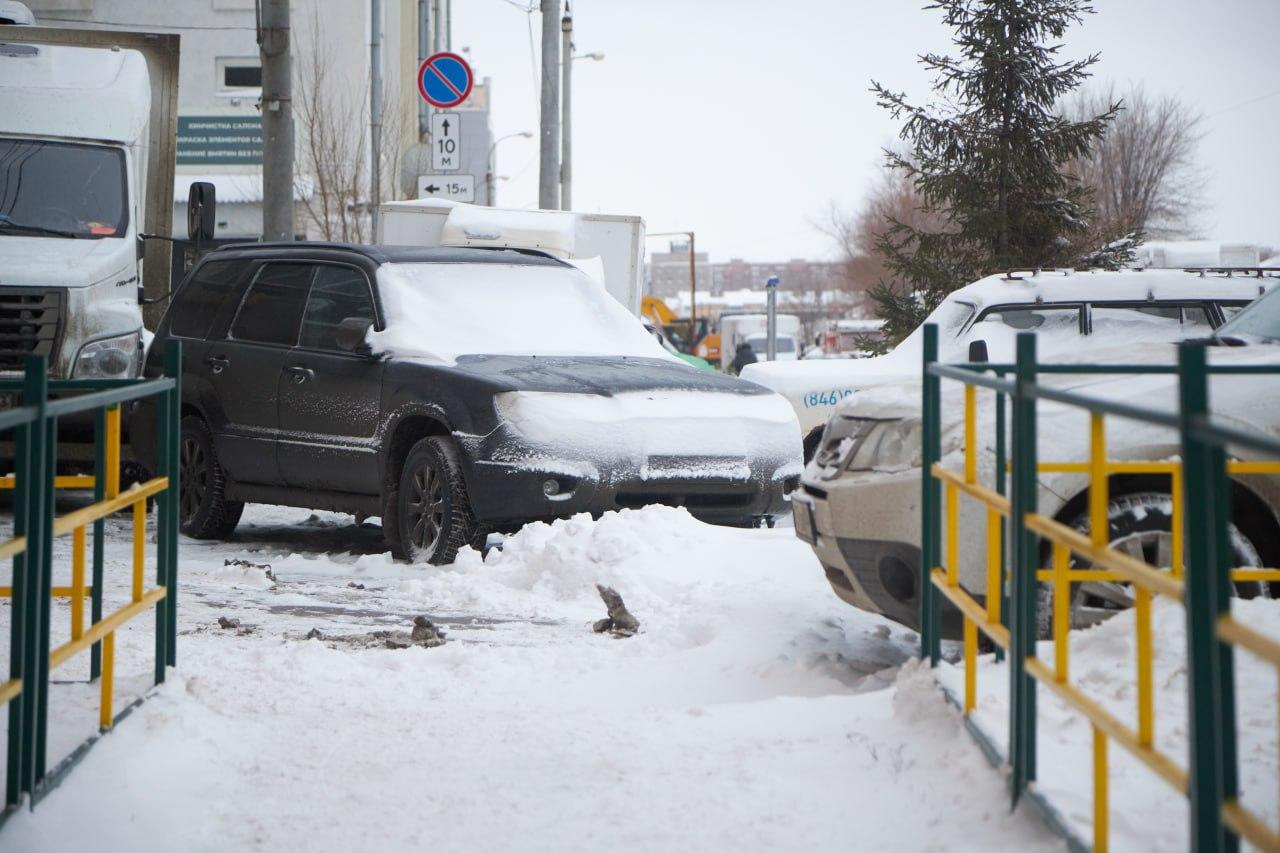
33, 425
1200, 574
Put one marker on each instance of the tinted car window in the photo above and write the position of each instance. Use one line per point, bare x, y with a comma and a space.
1045, 318
198, 301
336, 294
272, 309
1157, 319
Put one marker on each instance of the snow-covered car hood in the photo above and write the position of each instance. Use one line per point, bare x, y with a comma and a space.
668, 433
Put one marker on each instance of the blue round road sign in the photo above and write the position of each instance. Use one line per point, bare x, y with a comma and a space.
444, 80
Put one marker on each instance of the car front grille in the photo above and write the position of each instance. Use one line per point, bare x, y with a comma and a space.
30, 324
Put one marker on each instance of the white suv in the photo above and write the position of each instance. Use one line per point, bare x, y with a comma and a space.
1065, 306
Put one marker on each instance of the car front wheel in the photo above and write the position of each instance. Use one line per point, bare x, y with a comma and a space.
434, 510
203, 508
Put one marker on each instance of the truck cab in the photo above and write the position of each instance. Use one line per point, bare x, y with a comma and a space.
74, 124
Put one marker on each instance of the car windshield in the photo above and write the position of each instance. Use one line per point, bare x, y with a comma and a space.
447, 310
1260, 321
760, 345
55, 189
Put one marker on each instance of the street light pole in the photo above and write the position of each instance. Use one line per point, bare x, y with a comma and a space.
566, 135
693, 281
489, 182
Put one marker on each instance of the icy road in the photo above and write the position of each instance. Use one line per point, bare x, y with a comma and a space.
754, 711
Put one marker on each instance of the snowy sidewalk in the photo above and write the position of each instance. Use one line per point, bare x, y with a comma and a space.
745, 716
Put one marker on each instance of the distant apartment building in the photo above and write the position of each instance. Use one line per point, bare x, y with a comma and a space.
797, 275
668, 272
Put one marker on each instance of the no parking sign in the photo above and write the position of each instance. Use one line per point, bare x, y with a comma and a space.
444, 80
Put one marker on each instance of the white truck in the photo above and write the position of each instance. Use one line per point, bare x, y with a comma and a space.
87, 138
736, 328
608, 248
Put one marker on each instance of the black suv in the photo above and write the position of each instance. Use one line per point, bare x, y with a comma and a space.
452, 392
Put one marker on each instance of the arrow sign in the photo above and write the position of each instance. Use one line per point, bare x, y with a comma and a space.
444, 80
452, 187
446, 148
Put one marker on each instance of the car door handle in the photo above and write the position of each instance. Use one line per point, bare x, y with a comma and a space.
300, 374
217, 362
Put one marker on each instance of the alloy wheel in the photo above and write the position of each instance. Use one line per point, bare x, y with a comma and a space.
426, 507
194, 469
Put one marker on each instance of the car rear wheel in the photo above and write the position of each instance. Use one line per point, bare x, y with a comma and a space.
203, 508
434, 510
1140, 526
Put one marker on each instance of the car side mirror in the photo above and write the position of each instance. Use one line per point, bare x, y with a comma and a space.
201, 211
351, 333
978, 351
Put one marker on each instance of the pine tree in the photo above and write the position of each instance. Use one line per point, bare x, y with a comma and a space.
990, 155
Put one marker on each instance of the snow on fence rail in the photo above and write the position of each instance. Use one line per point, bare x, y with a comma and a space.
1201, 509
34, 427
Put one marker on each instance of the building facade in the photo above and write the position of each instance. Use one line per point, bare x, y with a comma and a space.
219, 87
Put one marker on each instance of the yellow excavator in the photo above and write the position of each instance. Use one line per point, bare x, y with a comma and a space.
703, 344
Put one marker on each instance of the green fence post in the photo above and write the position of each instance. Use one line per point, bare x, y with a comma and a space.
1023, 586
1206, 598
930, 501
99, 536
162, 534
173, 369
35, 387
45, 575
1002, 455
28, 453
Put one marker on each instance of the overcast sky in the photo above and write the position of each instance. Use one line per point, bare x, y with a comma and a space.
744, 120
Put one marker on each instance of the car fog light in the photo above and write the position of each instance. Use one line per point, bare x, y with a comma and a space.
550, 488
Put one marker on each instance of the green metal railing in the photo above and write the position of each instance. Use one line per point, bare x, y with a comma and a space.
1200, 479
33, 423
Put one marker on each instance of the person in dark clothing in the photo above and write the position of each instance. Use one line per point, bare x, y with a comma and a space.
743, 356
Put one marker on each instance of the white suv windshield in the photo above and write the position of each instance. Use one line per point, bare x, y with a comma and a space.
447, 310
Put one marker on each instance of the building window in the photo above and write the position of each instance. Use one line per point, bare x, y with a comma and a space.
239, 76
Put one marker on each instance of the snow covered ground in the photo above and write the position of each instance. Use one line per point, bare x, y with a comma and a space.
753, 711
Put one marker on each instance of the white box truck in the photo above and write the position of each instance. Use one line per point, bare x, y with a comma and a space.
608, 248
737, 328
87, 138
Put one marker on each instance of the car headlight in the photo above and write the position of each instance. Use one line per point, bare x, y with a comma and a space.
110, 358
886, 446
865, 444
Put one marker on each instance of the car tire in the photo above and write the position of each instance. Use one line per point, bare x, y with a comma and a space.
203, 508
433, 509
1139, 524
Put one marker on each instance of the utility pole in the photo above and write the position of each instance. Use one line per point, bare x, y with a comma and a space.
693, 296
375, 110
277, 120
771, 322
566, 135
549, 156
424, 50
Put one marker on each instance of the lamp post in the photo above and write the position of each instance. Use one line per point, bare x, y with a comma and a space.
693, 283
566, 108
488, 177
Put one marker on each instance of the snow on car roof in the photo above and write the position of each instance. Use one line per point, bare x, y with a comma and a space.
1110, 285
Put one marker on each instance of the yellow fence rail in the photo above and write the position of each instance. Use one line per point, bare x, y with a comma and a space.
1097, 562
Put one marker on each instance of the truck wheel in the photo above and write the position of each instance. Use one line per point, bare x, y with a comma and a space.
1139, 525
203, 508
434, 511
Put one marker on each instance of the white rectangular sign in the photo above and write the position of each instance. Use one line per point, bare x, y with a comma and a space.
453, 187
446, 142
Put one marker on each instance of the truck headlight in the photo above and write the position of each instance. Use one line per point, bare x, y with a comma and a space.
110, 358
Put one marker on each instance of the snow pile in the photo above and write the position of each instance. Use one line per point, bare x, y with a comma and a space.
738, 718
443, 311
1146, 814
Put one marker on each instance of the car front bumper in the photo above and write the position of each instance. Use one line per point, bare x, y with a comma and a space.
865, 530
